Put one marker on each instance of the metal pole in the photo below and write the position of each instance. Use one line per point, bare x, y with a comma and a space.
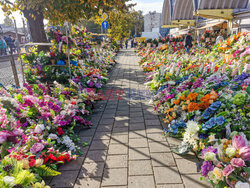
67, 34
12, 61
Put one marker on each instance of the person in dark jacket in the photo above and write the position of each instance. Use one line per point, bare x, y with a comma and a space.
126, 43
10, 43
188, 42
132, 43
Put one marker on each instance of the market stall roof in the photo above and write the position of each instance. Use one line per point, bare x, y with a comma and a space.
183, 10
167, 11
221, 4
211, 24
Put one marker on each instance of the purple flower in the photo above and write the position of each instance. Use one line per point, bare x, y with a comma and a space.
209, 149
91, 84
97, 85
36, 148
206, 168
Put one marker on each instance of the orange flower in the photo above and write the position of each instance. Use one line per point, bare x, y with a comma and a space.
177, 101
192, 96
206, 98
182, 97
203, 105
192, 107
214, 95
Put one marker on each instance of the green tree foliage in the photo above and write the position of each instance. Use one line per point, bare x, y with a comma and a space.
8, 21
58, 11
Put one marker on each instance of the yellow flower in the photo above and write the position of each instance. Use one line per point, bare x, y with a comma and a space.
218, 173
25, 163
40, 185
39, 162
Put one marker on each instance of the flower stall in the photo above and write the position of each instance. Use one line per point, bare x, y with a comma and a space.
203, 98
37, 121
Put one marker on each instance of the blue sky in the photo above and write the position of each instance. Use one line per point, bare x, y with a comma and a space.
144, 5
149, 5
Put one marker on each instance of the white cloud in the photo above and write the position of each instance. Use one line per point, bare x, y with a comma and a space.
148, 5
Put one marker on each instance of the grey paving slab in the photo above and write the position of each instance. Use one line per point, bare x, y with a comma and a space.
142, 167
115, 177
141, 182
117, 161
127, 147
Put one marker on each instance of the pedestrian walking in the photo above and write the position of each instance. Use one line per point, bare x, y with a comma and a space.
3, 46
132, 43
121, 44
126, 43
188, 42
135, 43
10, 43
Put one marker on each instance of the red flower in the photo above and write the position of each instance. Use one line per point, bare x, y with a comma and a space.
52, 157
216, 68
60, 158
32, 162
60, 131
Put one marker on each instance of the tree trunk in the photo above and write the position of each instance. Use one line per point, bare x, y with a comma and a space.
36, 27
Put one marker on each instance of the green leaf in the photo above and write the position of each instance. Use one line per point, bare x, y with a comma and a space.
182, 149
43, 170
247, 169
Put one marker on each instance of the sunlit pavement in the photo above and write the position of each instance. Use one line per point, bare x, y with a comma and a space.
127, 147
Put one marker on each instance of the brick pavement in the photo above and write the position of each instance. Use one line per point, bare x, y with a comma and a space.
127, 147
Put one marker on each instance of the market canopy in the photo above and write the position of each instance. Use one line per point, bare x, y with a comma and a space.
219, 8
167, 12
183, 10
222, 4
211, 24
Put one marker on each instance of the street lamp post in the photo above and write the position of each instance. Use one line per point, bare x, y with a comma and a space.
1, 30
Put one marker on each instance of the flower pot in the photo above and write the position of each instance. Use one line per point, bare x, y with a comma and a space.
53, 61
213, 39
67, 62
207, 39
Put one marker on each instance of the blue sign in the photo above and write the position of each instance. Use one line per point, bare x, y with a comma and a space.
105, 25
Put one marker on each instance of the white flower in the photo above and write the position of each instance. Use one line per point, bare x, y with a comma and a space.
240, 184
9, 180
39, 128
53, 136
192, 127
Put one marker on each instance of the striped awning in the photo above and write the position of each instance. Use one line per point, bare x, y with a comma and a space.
223, 4
183, 10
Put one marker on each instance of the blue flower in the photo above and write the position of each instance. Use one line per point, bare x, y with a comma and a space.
60, 62
202, 136
207, 113
220, 120
212, 122
214, 106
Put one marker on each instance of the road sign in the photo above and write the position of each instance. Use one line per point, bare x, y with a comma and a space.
105, 16
105, 25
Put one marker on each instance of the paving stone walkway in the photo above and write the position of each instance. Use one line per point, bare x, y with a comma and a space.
127, 147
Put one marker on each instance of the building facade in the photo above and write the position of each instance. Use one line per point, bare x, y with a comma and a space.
152, 21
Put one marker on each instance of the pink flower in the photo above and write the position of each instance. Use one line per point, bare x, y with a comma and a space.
17, 132
228, 170
37, 147
237, 162
3, 136
245, 153
238, 142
